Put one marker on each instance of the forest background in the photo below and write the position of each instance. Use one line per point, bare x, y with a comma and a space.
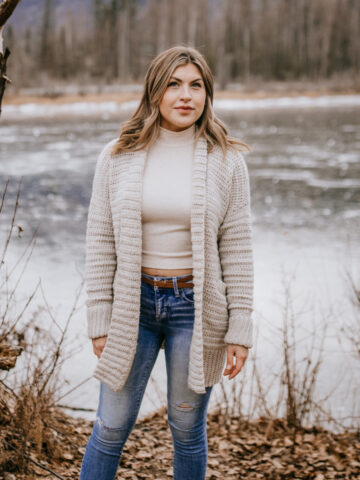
111, 42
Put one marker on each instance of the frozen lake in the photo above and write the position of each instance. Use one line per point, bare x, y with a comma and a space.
305, 181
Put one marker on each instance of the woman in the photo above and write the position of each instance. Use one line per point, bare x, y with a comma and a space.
168, 263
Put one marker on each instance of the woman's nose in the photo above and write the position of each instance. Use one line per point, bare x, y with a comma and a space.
185, 92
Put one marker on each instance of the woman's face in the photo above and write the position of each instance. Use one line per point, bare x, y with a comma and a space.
184, 99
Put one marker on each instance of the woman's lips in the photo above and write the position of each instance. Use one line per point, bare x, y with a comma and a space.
184, 109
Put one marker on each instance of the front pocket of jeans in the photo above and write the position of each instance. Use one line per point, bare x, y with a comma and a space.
187, 294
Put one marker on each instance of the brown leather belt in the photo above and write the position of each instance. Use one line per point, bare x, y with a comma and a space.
181, 283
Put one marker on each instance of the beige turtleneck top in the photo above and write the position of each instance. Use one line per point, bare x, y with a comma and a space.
166, 201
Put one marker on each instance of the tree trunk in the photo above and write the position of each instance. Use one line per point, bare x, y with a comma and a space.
6, 9
3, 77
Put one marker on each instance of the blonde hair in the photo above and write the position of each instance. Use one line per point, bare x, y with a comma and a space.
143, 128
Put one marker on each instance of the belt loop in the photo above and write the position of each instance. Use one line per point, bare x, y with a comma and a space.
175, 286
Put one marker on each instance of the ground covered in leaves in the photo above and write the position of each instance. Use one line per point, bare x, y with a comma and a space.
263, 449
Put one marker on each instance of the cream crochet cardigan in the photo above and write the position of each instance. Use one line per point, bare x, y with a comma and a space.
221, 236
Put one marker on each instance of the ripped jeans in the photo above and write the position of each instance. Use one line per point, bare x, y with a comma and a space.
165, 313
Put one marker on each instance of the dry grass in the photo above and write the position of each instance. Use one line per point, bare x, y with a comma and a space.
30, 382
288, 390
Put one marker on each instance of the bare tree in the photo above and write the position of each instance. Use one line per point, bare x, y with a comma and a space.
6, 9
45, 58
242, 40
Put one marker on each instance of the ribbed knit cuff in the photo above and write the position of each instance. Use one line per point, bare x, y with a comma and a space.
98, 318
240, 330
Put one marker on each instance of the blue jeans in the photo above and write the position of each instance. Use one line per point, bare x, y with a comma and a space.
165, 313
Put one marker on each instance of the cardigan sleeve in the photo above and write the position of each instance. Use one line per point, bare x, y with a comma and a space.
236, 257
100, 263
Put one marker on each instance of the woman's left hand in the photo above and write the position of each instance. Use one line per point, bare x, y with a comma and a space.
241, 354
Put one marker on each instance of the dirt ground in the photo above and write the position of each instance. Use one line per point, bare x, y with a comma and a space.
264, 449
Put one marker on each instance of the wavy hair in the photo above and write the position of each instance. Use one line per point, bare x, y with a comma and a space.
143, 128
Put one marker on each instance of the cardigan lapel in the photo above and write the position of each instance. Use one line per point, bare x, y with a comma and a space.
196, 364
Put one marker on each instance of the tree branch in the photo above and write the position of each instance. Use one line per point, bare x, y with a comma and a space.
6, 9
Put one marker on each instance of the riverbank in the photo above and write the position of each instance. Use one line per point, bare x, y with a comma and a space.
64, 94
265, 448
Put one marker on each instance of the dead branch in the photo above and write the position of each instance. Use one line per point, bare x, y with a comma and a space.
4, 194
6, 9
3, 77
7, 241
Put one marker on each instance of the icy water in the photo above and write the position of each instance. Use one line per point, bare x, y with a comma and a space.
305, 181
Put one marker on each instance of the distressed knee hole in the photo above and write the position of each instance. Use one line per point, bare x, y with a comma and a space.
105, 427
185, 405
106, 433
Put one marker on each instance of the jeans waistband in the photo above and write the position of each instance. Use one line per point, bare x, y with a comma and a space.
159, 277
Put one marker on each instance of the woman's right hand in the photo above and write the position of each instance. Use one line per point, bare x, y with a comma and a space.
98, 345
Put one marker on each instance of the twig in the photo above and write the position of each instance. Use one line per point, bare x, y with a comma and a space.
56, 355
36, 463
70, 391
12, 328
77, 409
31, 242
43, 467
8, 388
7, 241
4, 194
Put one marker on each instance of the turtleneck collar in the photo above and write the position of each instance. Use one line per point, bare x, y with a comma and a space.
168, 137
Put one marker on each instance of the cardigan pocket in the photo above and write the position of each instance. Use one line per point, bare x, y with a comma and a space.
216, 320
222, 287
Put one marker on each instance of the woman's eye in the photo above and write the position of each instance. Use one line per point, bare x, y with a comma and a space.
175, 84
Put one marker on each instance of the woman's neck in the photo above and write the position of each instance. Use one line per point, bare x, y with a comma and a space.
169, 137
